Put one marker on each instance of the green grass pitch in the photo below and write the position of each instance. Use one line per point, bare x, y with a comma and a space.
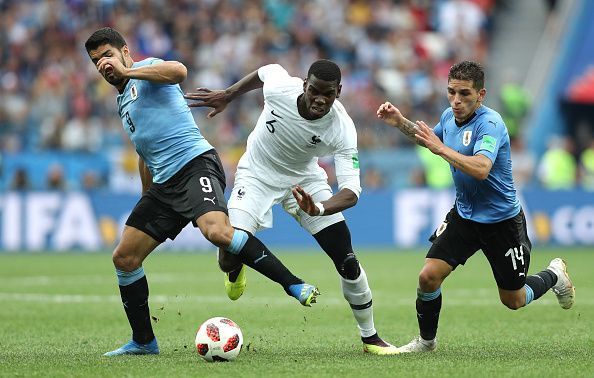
60, 312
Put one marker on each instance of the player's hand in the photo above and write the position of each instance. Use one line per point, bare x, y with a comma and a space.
111, 66
389, 114
425, 135
305, 201
205, 97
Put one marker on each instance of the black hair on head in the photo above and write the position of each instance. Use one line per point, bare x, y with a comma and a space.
467, 70
325, 70
105, 36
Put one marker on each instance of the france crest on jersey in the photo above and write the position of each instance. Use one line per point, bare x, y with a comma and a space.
160, 124
493, 199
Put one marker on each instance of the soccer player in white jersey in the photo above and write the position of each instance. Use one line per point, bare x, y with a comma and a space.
182, 177
300, 122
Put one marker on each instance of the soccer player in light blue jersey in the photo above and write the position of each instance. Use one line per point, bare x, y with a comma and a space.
486, 215
183, 181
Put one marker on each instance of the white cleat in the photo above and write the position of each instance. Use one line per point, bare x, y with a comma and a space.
418, 345
563, 289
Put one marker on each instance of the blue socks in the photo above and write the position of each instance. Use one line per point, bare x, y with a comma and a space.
240, 237
128, 278
529, 294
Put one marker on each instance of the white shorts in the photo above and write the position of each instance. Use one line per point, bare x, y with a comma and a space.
251, 201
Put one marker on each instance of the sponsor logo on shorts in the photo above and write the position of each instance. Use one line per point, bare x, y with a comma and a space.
240, 193
210, 199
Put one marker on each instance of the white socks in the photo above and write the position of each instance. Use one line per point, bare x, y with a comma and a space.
358, 294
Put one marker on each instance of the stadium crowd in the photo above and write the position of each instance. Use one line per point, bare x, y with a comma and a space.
52, 100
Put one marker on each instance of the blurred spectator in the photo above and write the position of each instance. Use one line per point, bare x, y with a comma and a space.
514, 104
401, 50
558, 168
587, 167
523, 163
372, 179
436, 171
55, 178
20, 181
90, 180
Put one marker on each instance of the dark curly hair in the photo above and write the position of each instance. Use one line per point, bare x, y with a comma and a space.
105, 36
325, 70
467, 70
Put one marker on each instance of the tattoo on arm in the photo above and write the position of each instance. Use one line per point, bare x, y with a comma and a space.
409, 129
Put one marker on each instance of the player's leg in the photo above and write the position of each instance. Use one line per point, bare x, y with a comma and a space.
428, 305
252, 252
235, 273
453, 243
333, 235
149, 224
335, 240
204, 201
509, 255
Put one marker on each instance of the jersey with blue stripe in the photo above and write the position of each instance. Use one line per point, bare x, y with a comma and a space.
493, 199
160, 124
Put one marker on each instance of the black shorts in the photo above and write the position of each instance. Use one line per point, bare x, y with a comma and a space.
505, 244
166, 208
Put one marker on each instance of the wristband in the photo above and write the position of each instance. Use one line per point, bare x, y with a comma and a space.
321, 208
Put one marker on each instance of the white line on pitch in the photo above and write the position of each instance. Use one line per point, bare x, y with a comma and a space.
259, 300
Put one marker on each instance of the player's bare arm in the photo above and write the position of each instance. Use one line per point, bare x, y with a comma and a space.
393, 117
477, 166
168, 72
342, 200
145, 175
218, 99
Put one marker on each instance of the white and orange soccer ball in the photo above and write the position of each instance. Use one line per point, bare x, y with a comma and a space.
219, 339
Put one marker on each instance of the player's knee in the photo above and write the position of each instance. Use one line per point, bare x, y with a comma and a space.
125, 261
228, 262
513, 303
218, 234
429, 281
350, 268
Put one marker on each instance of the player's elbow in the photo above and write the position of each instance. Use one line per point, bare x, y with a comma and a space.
482, 175
351, 196
482, 172
179, 72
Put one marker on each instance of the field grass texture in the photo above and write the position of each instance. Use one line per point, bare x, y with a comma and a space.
60, 312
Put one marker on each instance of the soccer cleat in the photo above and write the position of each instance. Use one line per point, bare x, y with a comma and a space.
375, 345
134, 348
563, 289
306, 294
235, 289
418, 345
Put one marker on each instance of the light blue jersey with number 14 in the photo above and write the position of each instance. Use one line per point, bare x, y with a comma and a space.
493, 199
160, 125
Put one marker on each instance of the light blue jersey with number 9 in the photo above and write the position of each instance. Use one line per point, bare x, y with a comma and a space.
160, 125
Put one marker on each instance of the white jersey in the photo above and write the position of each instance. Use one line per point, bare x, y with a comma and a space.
283, 149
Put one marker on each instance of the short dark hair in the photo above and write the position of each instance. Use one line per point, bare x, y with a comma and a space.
468, 70
105, 36
325, 69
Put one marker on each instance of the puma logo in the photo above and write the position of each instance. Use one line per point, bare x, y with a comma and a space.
210, 199
261, 257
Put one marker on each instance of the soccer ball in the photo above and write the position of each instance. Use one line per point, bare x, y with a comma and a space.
219, 339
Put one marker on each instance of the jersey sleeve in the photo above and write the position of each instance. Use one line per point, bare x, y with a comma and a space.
346, 162
490, 137
148, 62
438, 129
273, 76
